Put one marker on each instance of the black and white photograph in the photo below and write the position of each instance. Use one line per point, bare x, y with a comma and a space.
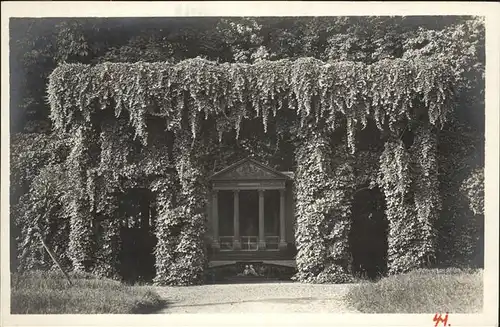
265, 163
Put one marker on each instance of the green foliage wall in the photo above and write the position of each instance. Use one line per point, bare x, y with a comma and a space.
408, 177
167, 217
461, 172
79, 205
42, 212
107, 240
324, 183
185, 93
37, 191
38, 45
155, 125
375, 70
180, 254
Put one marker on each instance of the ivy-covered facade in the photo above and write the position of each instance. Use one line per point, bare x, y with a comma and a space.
340, 130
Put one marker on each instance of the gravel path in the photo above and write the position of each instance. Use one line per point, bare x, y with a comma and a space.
256, 298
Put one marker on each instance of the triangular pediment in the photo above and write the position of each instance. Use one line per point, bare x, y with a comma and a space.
248, 169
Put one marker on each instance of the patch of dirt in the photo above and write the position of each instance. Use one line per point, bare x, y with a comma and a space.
256, 298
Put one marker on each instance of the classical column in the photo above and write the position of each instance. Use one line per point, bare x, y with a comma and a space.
215, 220
236, 222
262, 240
282, 244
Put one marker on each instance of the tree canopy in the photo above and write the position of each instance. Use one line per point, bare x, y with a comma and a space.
38, 45
147, 103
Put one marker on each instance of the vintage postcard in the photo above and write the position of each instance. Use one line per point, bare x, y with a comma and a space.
250, 163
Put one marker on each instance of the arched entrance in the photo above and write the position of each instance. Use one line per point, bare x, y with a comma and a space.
137, 236
368, 235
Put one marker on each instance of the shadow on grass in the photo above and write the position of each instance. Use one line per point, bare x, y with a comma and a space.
148, 308
250, 281
272, 300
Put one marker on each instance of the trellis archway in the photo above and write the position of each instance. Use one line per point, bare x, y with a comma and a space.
168, 117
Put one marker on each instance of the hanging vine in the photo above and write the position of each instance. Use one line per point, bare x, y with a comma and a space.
322, 212
396, 179
180, 252
108, 242
311, 88
409, 181
161, 107
80, 244
168, 218
191, 261
473, 189
338, 225
43, 210
426, 193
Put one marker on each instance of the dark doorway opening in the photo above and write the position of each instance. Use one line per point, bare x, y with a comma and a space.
137, 237
272, 213
226, 213
249, 213
368, 235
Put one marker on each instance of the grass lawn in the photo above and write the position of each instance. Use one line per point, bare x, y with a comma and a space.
421, 291
49, 293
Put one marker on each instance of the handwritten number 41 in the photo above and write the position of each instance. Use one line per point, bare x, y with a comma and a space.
439, 318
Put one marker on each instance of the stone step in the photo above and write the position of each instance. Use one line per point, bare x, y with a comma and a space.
247, 255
